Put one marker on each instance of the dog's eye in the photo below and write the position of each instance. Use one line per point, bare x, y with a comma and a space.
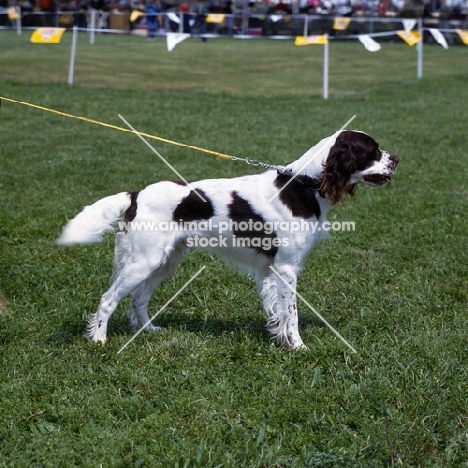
374, 156
370, 159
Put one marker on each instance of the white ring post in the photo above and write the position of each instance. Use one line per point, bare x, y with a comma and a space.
420, 49
18, 21
93, 26
72, 56
325, 69
306, 25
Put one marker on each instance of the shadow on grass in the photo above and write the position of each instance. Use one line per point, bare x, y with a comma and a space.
69, 331
214, 326
254, 325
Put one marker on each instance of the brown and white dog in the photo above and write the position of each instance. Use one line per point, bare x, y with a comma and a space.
269, 212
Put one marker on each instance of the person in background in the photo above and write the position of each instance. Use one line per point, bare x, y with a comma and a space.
153, 8
27, 19
200, 19
229, 21
80, 17
184, 8
3, 16
47, 7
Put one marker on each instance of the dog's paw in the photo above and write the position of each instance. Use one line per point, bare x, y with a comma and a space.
299, 347
98, 338
152, 328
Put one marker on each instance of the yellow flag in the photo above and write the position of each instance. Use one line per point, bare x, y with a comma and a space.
307, 40
463, 36
65, 19
410, 37
340, 24
47, 35
215, 18
13, 14
135, 15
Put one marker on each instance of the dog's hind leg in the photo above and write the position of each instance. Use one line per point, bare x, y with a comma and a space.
140, 297
134, 267
129, 278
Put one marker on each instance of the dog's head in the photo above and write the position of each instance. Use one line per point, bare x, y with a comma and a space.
355, 158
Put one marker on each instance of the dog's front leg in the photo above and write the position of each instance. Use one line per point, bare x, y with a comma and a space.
287, 281
278, 293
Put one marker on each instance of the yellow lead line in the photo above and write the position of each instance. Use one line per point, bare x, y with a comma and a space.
115, 127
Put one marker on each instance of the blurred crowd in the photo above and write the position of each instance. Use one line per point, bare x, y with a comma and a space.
194, 12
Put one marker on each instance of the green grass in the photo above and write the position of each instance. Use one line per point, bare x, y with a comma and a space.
210, 389
241, 67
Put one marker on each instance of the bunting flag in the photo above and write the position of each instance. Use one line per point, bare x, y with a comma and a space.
135, 15
308, 40
340, 24
215, 18
439, 37
463, 35
13, 14
276, 18
408, 24
369, 43
173, 17
410, 37
47, 35
173, 39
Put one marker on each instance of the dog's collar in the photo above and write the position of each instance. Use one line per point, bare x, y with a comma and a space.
304, 181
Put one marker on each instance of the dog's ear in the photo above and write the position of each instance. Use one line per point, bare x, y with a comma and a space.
340, 165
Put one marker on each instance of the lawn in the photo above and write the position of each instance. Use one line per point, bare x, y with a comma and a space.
211, 390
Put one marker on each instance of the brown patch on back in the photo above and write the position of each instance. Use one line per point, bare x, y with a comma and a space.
241, 211
132, 210
193, 208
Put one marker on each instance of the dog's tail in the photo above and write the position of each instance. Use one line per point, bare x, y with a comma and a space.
88, 226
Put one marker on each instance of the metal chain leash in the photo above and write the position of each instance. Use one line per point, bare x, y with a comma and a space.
254, 162
280, 169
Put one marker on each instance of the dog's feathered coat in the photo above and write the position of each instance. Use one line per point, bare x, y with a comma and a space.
304, 191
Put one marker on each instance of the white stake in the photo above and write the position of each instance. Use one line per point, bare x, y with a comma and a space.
18, 21
72, 56
419, 48
325, 69
93, 26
